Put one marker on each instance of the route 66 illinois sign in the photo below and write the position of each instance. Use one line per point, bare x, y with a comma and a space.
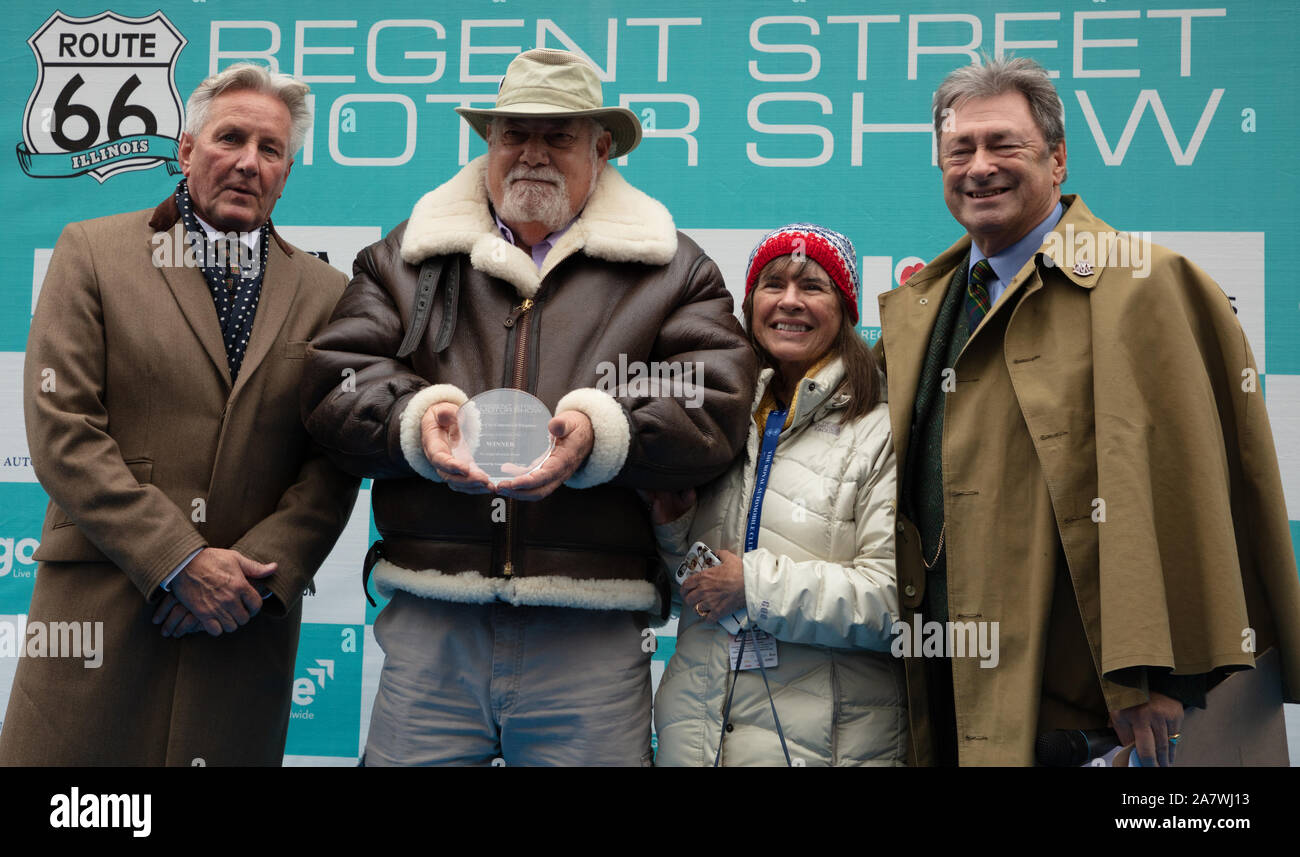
105, 100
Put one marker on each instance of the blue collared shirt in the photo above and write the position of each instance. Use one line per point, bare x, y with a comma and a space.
1009, 262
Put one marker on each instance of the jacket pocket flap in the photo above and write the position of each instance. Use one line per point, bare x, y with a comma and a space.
67, 544
141, 469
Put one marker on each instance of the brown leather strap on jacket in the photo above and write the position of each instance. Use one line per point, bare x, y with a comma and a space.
431, 271
451, 300
368, 565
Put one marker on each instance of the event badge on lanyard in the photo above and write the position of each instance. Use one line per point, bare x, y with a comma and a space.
756, 643
759, 643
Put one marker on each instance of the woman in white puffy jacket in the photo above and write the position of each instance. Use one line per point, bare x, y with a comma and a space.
804, 525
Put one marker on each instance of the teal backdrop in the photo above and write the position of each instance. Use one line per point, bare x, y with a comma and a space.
1181, 121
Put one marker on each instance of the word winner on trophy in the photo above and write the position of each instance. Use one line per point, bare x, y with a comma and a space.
504, 433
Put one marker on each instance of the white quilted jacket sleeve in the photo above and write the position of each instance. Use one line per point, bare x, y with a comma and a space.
830, 604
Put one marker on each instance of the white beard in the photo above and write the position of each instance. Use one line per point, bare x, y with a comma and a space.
529, 202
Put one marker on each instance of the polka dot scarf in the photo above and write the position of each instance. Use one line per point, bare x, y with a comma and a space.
235, 294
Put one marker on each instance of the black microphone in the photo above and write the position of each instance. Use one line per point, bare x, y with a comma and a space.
1070, 748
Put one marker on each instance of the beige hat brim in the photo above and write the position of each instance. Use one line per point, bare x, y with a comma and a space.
623, 125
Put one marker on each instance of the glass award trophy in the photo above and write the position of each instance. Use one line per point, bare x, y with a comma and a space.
503, 432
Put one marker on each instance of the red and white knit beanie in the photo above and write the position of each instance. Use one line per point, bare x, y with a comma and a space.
828, 248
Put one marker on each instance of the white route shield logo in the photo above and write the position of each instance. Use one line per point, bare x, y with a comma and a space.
105, 100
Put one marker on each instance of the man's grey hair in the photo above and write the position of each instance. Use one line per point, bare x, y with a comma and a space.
494, 126
250, 76
997, 76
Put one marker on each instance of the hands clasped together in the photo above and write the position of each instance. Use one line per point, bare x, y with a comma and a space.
217, 592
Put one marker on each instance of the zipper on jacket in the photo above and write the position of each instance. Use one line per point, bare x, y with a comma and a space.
518, 316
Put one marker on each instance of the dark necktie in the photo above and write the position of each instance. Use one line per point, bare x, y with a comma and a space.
977, 293
233, 272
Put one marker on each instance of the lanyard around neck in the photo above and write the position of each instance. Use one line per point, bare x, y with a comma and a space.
771, 435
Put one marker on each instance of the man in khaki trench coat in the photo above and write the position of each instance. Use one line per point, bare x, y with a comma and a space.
188, 509
1085, 461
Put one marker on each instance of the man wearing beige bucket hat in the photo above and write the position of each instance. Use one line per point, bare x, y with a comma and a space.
546, 83
517, 625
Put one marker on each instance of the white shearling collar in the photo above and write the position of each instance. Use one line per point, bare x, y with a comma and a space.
619, 224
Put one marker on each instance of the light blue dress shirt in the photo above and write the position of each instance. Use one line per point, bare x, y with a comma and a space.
1009, 262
